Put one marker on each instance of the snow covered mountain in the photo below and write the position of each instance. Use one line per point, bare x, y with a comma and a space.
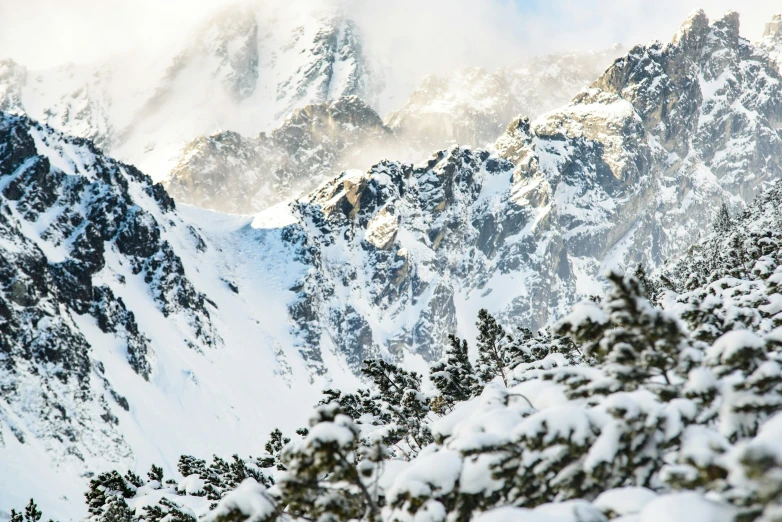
472, 106
632, 170
126, 327
245, 69
79, 100
231, 173
134, 329
622, 411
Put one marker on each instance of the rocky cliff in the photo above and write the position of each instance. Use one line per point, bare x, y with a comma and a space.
772, 39
633, 169
231, 173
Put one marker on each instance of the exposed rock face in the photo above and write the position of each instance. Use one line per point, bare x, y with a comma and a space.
772, 40
711, 107
468, 107
472, 106
637, 165
230, 173
337, 67
246, 70
383, 245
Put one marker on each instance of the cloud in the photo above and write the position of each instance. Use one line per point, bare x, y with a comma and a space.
597, 23
433, 36
417, 36
46, 33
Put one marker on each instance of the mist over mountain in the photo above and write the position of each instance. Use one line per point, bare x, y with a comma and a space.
524, 289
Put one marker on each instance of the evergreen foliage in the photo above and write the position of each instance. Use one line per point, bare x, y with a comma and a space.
165, 509
31, 513
105, 489
222, 476
636, 343
402, 406
453, 375
273, 449
722, 221
189, 465
492, 345
155, 473
323, 481
527, 348
650, 288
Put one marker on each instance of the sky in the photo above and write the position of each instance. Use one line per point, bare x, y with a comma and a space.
432, 34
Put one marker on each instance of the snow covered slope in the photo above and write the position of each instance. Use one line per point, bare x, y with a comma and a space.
244, 69
130, 328
622, 411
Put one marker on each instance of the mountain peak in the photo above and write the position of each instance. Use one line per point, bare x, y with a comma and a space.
12, 79
772, 39
774, 27
693, 30
730, 22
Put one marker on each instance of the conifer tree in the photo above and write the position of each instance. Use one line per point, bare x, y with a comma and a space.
755, 390
355, 405
155, 473
635, 342
492, 345
324, 481
189, 465
453, 374
106, 487
273, 448
221, 476
527, 347
134, 479
31, 512
723, 221
165, 509
115, 510
401, 403
649, 289
737, 259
